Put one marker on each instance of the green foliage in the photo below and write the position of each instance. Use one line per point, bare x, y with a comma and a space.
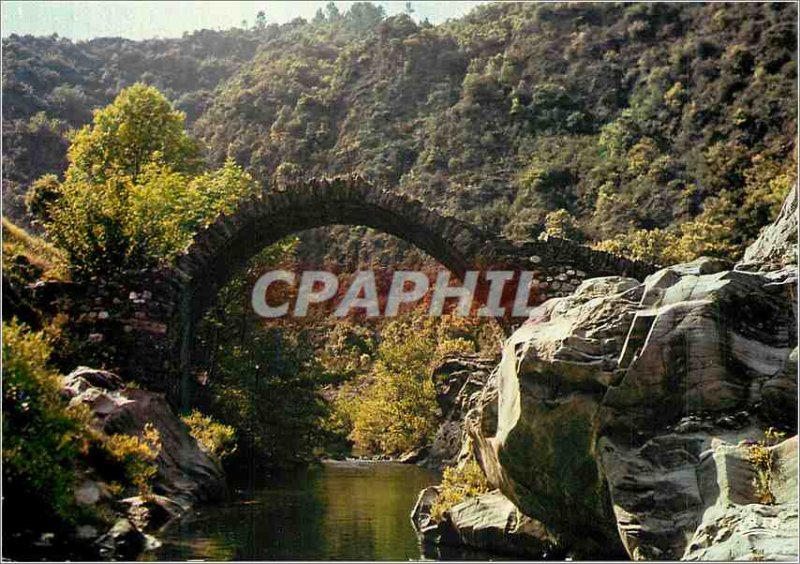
261, 379
138, 129
762, 458
137, 456
397, 411
214, 438
30, 146
43, 193
348, 351
613, 112
130, 198
561, 224
709, 234
43, 438
459, 483
27, 258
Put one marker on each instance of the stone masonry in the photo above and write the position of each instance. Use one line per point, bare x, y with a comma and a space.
142, 323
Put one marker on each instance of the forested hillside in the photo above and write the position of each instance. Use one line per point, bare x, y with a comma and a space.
629, 118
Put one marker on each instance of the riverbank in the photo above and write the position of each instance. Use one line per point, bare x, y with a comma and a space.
113, 519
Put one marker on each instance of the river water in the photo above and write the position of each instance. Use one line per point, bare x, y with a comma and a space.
339, 511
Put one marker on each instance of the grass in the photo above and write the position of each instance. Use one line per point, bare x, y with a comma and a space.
43, 259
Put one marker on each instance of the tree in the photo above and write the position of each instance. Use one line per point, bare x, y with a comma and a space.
261, 20
398, 411
139, 128
132, 195
332, 12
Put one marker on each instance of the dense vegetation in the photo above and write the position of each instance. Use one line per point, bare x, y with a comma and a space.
49, 446
661, 131
644, 122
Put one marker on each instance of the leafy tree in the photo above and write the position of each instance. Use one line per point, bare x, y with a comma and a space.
132, 194
138, 129
261, 20
398, 411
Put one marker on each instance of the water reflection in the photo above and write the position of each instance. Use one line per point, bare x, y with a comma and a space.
341, 511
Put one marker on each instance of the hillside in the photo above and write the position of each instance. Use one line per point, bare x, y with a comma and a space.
629, 117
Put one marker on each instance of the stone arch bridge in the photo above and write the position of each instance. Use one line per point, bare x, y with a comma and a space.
147, 319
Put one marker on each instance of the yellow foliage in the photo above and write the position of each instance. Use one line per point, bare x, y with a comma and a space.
763, 461
47, 259
43, 437
214, 438
561, 224
138, 456
398, 411
458, 484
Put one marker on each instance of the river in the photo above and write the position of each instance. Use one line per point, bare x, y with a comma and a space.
336, 511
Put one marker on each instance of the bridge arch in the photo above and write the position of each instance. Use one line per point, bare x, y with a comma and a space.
148, 317
220, 249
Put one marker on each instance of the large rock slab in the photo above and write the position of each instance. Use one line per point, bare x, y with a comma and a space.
776, 246
609, 398
489, 523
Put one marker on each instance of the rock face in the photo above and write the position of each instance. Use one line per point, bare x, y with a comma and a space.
186, 475
622, 418
489, 522
776, 247
623, 410
459, 382
737, 526
609, 401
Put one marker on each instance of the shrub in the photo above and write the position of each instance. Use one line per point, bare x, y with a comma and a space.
763, 460
43, 438
137, 456
458, 484
214, 438
561, 224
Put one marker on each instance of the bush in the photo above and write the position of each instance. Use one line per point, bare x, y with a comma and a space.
458, 484
137, 456
214, 438
43, 438
561, 224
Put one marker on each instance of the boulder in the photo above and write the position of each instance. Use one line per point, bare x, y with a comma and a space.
459, 382
153, 512
122, 542
489, 523
608, 399
186, 475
